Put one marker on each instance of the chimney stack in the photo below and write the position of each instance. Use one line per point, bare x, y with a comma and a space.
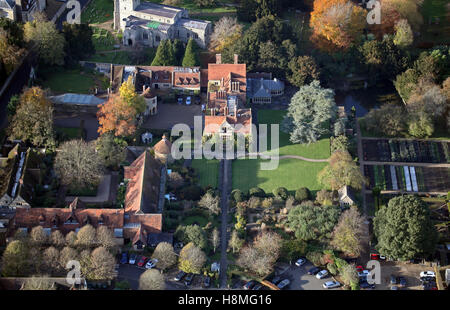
236, 59
218, 59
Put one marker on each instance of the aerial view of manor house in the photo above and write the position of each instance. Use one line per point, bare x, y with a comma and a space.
254, 145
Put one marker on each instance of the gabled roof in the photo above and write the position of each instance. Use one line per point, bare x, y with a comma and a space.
7, 4
345, 192
79, 99
143, 188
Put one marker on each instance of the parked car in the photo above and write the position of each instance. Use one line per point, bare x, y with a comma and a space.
257, 287
276, 280
331, 284
313, 271
429, 286
300, 262
141, 262
151, 263
180, 100
382, 257
132, 259
402, 281
322, 274
365, 285
206, 282
188, 279
394, 288
427, 279
393, 279
424, 274
188, 100
363, 274
124, 258
249, 285
359, 268
180, 275
283, 284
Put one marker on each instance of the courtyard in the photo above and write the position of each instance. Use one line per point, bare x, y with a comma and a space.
171, 114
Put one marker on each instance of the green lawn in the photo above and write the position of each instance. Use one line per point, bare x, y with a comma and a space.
318, 150
195, 9
67, 81
123, 57
103, 39
291, 173
70, 133
208, 171
98, 11
191, 220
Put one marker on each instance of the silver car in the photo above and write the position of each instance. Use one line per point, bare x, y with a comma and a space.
322, 274
331, 284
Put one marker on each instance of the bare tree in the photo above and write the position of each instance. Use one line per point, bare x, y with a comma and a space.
86, 236
51, 261
102, 264
38, 236
152, 280
226, 31
215, 239
165, 255
105, 238
67, 254
211, 203
57, 239
71, 239
78, 165
268, 244
85, 262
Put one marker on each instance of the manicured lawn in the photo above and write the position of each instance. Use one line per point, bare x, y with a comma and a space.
194, 8
291, 173
98, 11
318, 150
67, 81
208, 172
122, 57
191, 220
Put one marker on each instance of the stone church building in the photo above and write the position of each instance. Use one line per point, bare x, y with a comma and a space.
149, 23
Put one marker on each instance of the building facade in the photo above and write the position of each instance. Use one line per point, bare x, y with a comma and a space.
21, 10
149, 23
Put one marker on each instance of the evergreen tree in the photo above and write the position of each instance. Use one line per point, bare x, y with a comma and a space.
164, 55
191, 57
178, 51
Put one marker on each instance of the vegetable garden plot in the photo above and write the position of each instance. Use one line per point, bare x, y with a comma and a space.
436, 179
406, 151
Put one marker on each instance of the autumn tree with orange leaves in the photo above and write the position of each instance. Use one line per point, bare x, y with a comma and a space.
119, 113
336, 24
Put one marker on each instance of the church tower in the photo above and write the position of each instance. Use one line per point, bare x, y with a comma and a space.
123, 9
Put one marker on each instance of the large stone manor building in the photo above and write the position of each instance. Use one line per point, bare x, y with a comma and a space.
149, 23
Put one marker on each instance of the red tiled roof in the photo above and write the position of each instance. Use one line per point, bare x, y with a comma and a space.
214, 122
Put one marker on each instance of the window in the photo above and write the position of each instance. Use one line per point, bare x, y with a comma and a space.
157, 39
145, 36
195, 36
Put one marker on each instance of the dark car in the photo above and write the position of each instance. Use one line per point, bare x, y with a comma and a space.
402, 281
275, 280
393, 279
249, 285
124, 258
180, 275
429, 286
427, 279
206, 282
366, 285
283, 284
314, 270
188, 279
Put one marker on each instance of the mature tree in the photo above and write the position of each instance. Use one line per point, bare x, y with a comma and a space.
172, 2
420, 125
428, 98
192, 259
11, 55
349, 274
175, 180
57, 239
268, 244
78, 39
341, 171
340, 143
14, 31
235, 243
14, 259
111, 149
33, 120
105, 238
251, 10
311, 222
210, 203
302, 194
196, 235
71, 239
38, 283
42, 35
164, 54
78, 165
205, 3
347, 235
404, 229
324, 197
308, 113
389, 120
127, 92
165, 255
336, 24
152, 280
50, 258
117, 116
178, 51
226, 31
87, 236
102, 265
303, 70
66, 255
13, 103
191, 54
215, 239
85, 259
38, 236
404, 36
281, 192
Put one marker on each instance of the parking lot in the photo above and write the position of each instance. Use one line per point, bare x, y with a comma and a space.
170, 114
299, 277
410, 271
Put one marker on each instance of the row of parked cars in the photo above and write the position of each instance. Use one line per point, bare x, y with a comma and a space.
189, 277
139, 260
320, 273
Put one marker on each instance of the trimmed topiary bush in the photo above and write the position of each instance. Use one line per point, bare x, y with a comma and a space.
281, 192
302, 194
237, 195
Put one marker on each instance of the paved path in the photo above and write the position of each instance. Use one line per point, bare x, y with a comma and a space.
265, 156
103, 192
361, 164
406, 139
414, 164
225, 185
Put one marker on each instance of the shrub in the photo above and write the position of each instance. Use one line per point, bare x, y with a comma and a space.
302, 194
192, 192
315, 257
237, 195
257, 192
332, 268
281, 192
